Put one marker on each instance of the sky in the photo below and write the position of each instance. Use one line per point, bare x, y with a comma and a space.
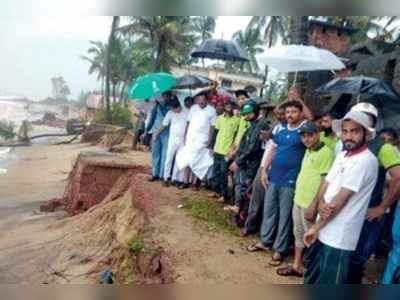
34, 49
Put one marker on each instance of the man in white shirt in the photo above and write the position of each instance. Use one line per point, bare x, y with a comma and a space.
342, 203
195, 154
176, 119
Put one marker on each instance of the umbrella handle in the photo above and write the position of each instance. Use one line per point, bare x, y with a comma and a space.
294, 81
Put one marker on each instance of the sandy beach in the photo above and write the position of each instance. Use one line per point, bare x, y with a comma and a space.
38, 247
35, 174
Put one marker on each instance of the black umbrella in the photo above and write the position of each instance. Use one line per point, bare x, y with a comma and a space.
359, 85
192, 82
220, 49
378, 92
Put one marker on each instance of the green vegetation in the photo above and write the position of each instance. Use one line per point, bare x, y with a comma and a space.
210, 214
120, 116
136, 244
157, 43
7, 130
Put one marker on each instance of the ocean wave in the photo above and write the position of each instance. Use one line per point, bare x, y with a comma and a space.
4, 151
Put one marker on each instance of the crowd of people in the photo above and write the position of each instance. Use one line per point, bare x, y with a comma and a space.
322, 187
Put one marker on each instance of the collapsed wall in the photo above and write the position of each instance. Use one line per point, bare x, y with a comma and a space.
110, 224
91, 180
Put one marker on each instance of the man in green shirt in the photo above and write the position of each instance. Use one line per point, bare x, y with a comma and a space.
241, 98
316, 163
328, 137
225, 130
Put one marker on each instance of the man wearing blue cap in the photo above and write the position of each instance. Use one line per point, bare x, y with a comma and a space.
316, 163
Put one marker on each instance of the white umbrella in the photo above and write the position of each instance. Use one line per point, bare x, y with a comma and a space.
298, 58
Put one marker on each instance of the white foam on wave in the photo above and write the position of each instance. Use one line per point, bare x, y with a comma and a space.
4, 151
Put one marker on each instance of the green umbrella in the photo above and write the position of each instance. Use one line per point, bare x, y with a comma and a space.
151, 85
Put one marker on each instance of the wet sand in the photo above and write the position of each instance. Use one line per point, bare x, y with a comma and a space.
35, 174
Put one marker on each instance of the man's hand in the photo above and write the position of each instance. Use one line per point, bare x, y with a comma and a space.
143, 136
264, 179
375, 213
310, 213
234, 167
325, 210
310, 236
232, 153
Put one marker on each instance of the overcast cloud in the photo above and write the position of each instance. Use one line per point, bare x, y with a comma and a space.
34, 49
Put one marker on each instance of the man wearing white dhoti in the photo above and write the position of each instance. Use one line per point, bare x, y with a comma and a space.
176, 119
195, 153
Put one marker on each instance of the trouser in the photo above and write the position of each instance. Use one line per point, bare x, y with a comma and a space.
240, 187
326, 265
255, 212
369, 239
173, 146
220, 176
276, 227
300, 225
392, 269
158, 154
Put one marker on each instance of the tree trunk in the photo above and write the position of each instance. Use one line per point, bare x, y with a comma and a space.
102, 85
114, 84
264, 81
122, 96
298, 36
111, 39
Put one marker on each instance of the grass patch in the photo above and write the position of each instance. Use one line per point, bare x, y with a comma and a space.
211, 214
136, 244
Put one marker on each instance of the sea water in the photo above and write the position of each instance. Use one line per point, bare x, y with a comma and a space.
4, 157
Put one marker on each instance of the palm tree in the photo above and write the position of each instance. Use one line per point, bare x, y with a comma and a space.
133, 62
204, 26
128, 60
97, 58
169, 37
250, 41
298, 34
272, 28
111, 41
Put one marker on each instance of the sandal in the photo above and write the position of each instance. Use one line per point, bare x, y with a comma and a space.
289, 271
257, 248
276, 261
231, 208
220, 200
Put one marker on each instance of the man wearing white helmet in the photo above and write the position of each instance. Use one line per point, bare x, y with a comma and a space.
389, 162
342, 202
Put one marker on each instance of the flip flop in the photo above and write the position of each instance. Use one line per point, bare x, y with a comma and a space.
276, 262
231, 208
257, 248
289, 271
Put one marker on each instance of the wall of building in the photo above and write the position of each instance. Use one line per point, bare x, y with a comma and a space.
238, 80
